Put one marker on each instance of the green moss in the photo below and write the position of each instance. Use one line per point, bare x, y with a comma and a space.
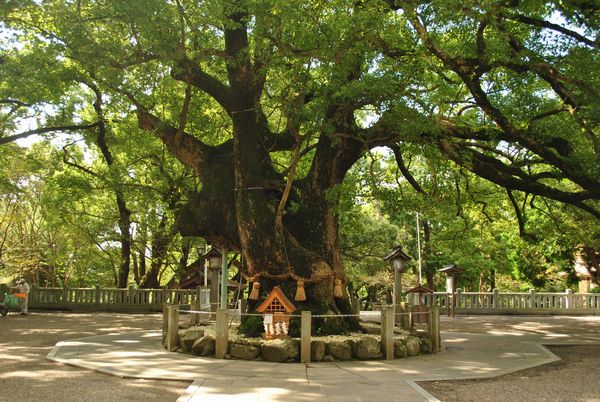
252, 326
333, 326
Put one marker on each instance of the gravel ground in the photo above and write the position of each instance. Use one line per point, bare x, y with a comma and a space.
576, 377
25, 374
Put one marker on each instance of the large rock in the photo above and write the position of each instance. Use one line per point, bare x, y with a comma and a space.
412, 345
280, 350
340, 350
205, 346
400, 350
317, 351
426, 345
188, 337
367, 348
244, 352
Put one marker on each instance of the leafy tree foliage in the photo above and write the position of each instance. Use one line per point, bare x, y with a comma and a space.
270, 104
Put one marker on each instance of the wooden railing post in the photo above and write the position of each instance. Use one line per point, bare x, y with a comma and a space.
532, 297
569, 299
458, 301
131, 295
222, 342
495, 299
305, 336
97, 296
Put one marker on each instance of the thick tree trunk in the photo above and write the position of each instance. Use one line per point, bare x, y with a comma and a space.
241, 191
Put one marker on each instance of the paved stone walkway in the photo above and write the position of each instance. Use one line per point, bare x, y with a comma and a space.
464, 355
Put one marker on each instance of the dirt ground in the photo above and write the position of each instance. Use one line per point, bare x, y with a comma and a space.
25, 374
576, 377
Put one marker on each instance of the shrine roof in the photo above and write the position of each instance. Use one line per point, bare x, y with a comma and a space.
276, 293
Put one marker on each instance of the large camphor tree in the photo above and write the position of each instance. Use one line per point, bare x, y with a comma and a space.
271, 103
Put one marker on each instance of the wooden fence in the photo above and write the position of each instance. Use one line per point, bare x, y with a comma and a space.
113, 299
152, 300
532, 302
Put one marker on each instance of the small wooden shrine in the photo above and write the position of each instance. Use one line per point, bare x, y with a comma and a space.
276, 311
419, 306
451, 272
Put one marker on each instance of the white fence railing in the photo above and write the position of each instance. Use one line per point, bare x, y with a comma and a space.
114, 298
522, 302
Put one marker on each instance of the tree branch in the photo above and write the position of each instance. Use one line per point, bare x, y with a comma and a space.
49, 129
545, 24
191, 73
520, 218
404, 169
187, 148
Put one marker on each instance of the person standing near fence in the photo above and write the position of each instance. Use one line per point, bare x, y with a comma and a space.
23, 289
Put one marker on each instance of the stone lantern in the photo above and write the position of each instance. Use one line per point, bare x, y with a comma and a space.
397, 259
451, 272
214, 258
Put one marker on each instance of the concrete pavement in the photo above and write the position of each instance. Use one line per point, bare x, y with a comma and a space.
465, 355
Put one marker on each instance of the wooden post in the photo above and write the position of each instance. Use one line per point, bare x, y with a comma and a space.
305, 337
495, 298
131, 295
532, 296
456, 301
387, 332
65, 295
222, 343
434, 328
172, 327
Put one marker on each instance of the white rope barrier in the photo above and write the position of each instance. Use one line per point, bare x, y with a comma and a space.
298, 315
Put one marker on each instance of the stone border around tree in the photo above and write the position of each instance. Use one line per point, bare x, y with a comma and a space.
201, 341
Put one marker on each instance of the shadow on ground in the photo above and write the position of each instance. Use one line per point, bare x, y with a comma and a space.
26, 375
